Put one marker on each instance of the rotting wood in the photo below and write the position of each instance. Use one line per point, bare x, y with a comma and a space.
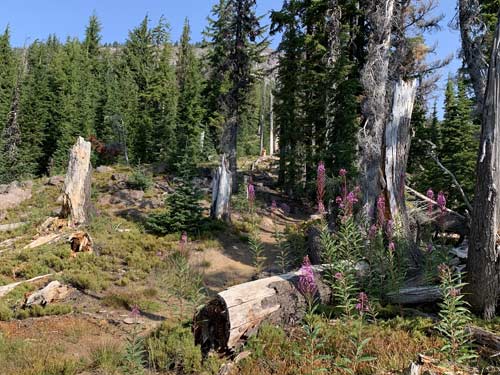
53, 291
44, 240
236, 313
11, 227
428, 365
5, 289
81, 242
77, 184
485, 338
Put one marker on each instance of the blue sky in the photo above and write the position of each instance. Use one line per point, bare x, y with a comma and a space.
35, 19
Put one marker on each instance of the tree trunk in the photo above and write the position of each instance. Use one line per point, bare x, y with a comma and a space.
374, 107
271, 123
229, 146
77, 184
483, 265
469, 17
397, 148
221, 192
415, 295
236, 313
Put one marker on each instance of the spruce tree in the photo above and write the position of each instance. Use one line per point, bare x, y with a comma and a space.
7, 76
190, 110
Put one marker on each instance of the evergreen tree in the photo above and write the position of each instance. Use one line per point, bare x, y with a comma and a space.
7, 76
234, 50
190, 110
460, 141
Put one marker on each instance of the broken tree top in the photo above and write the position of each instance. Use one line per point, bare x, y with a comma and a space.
77, 184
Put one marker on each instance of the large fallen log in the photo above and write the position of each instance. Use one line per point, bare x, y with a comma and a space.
5, 289
415, 295
236, 313
53, 291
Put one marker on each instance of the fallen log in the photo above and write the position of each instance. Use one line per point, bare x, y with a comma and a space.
430, 366
44, 240
5, 289
485, 338
10, 227
415, 295
236, 313
53, 291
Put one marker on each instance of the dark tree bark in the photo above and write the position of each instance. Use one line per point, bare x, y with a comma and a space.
374, 107
483, 264
472, 31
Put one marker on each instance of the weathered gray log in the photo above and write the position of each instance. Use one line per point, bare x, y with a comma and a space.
236, 313
415, 295
77, 184
483, 262
221, 192
5, 289
53, 291
485, 338
10, 227
44, 240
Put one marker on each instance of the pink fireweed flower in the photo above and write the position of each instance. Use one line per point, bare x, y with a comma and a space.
351, 198
389, 229
135, 313
251, 194
381, 210
454, 292
342, 172
321, 186
307, 284
372, 232
392, 247
183, 241
430, 205
441, 201
339, 276
363, 304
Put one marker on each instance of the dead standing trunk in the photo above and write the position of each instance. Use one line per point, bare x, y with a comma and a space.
483, 263
77, 185
397, 147
221, 192
374, 107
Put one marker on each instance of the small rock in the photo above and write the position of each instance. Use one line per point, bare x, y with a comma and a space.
13, 194
132, 321
56, 180
151, 203
104, 169
267, 223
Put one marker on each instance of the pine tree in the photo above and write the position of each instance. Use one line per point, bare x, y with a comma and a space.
234, 51
7, 76
460, 143
190, 110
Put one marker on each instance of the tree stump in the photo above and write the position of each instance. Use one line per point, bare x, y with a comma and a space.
76, 197
236, 313
221, 192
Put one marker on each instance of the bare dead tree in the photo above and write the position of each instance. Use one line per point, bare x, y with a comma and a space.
483, 263
374, 77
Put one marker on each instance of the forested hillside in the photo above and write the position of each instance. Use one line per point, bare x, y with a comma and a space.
293, 193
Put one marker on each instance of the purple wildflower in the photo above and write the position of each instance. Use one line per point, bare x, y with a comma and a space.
321, 184
135, 313
430, 248
430, 195
381, 210
454, 292
251, 194
441, 201
339, 276
342, 172
307, 284
372, 232
363, 304
389, 229
392, 247
351, 198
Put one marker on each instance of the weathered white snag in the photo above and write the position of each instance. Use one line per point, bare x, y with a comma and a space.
221, 192
237, 312
5, 289
397, 147
76, 196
